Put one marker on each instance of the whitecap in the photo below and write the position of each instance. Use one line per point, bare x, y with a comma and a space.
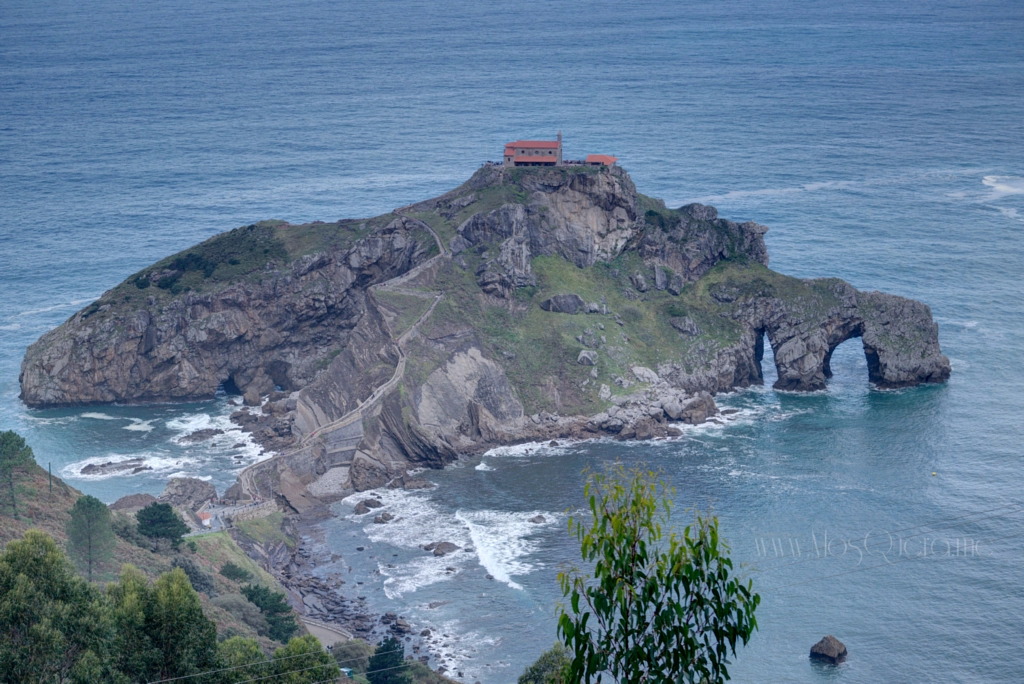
12, 326
484, 467
527, 449
98, 416
1003, 186
502, 541
139, 425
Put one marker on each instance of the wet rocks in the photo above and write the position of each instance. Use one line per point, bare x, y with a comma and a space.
129, 466
201, 435
538, 519
440, 548
829, 649
383, 518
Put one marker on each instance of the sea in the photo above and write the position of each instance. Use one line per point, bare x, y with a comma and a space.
882, 142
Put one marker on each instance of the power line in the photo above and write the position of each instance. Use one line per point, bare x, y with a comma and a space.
257, 664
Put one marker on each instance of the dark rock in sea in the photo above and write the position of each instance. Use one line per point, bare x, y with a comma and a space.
489, 576
251, 397
564, 303
538, 519
201, 435
372, 503
443, 548
829, 649
384, 517
113, 467
361, 508
360, 548
425, 633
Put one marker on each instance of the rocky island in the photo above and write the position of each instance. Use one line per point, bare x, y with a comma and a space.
527, 304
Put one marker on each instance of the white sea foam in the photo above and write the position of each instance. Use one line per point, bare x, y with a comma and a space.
139, 425
502, 541
98, 416
54, 307
483, 466
12, 326
1003, 186
157, 462
527, 449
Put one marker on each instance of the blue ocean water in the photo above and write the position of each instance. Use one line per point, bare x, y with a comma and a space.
882, 143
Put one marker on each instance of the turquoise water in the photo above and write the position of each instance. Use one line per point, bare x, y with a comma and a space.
881, 143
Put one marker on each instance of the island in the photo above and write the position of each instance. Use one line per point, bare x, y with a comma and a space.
531, 303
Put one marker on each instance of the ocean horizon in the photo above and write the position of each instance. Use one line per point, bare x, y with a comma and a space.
882, 144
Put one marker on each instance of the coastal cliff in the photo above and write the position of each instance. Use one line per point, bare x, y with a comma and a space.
526, 304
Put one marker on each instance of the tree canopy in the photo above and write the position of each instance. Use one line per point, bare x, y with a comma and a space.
387, 664
159, 521
90, 536
655, 608
15, 455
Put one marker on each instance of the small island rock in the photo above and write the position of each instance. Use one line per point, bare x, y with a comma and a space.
829, 649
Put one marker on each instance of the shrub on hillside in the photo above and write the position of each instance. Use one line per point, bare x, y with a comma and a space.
275, 609
353, 654
246, 612
127, 527
235, 573
549, 668
201, 582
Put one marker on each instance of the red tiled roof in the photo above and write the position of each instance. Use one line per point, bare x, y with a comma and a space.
535, 144
606, 159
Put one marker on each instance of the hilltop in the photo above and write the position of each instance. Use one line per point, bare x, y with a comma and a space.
526, 304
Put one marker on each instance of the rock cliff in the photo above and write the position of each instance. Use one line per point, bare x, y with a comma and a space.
526, 304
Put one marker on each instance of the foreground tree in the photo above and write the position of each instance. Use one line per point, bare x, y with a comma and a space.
15, 456
90, 536
304, 661
159, 521
549, 668
53, 625
185, 638
387, 664
655, 609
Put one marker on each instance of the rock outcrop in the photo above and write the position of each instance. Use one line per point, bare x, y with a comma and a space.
525, 305
829, 649
187, 492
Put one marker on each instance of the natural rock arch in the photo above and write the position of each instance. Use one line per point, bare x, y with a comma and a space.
899, 337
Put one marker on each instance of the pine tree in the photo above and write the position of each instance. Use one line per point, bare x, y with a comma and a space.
186, 639
15, 455
159, 521
387, 664
90, 536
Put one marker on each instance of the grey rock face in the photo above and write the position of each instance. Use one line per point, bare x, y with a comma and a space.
587, 358
829, 649
564, 303
188, 492
253, 335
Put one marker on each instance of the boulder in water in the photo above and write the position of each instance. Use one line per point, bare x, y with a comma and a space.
829, 649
